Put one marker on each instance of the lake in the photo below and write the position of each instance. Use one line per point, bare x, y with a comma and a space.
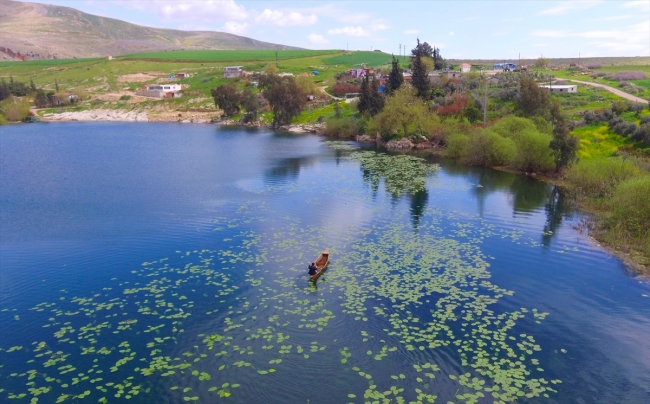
166, 263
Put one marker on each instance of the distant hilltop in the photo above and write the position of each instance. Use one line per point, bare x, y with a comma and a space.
39, 31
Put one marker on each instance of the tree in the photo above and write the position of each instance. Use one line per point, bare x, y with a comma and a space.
286, 99
395, 77
250, 104
32, 86
438, 62
541, 63
306, 84
472, 114
420, 77
377, 99
227, 98
4, 90
564, 145
40, 99
56, 85
364, 95
404, 114
271, 68
532, 99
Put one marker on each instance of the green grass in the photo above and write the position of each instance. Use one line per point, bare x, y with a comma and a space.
598, 141
47, 62
230, 55
371, 59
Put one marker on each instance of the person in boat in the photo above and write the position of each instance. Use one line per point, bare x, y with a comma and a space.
313, 269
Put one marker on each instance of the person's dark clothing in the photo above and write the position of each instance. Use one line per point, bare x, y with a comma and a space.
313, 270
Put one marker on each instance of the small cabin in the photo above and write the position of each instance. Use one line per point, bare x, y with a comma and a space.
232, 72
465, 68
560, 88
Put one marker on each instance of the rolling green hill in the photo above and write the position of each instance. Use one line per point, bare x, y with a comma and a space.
43, 31
239, 56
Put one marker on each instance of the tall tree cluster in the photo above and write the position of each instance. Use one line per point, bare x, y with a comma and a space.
371, 101
284, 96
395, 77
231, 101
420, 75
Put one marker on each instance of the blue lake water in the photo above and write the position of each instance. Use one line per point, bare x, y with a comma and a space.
166, 263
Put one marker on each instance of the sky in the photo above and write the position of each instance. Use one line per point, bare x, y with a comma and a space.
460, 28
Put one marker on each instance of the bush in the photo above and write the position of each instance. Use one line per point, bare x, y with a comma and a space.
14, 110
628, 76
631, 206
340, 89
125, 98
595, 66
343, 127
457, 145
533, 151
487, 148
599, 177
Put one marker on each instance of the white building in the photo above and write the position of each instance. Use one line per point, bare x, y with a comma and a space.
560, 88
161, 91
232, 72
465, 68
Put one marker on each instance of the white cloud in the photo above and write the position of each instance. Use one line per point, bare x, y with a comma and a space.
349, 31
551, 33
614, 18
411, 31
222, 10
643, 5
283, 19
451, 33
378, 26
234, 27
630, 38
566, 6
317, 39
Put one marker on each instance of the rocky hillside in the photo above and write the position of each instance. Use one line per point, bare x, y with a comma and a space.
37, 31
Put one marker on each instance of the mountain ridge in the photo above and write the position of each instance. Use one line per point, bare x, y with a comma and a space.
40, 31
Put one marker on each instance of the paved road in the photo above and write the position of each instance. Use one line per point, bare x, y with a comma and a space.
612, 90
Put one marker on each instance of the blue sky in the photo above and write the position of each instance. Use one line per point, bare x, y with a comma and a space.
461, 28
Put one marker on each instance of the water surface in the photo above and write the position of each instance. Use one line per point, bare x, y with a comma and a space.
165, 262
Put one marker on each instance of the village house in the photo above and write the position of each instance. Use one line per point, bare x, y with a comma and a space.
233, 72
452, 74
560, 88
161, 91
465, 68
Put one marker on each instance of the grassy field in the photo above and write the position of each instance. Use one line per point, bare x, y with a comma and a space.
371, 59
229, 55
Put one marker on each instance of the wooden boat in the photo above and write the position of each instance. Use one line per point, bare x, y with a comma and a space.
321, 263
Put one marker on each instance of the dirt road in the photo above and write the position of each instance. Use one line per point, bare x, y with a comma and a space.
612, 90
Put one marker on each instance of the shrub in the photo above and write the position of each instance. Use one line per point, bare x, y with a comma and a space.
457, 144
14, 110
125, 97
343, 127
533, 151
619, 107
340, 89
631, 206
628, 76
595, 66
599, 177
487, 148
512, 124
